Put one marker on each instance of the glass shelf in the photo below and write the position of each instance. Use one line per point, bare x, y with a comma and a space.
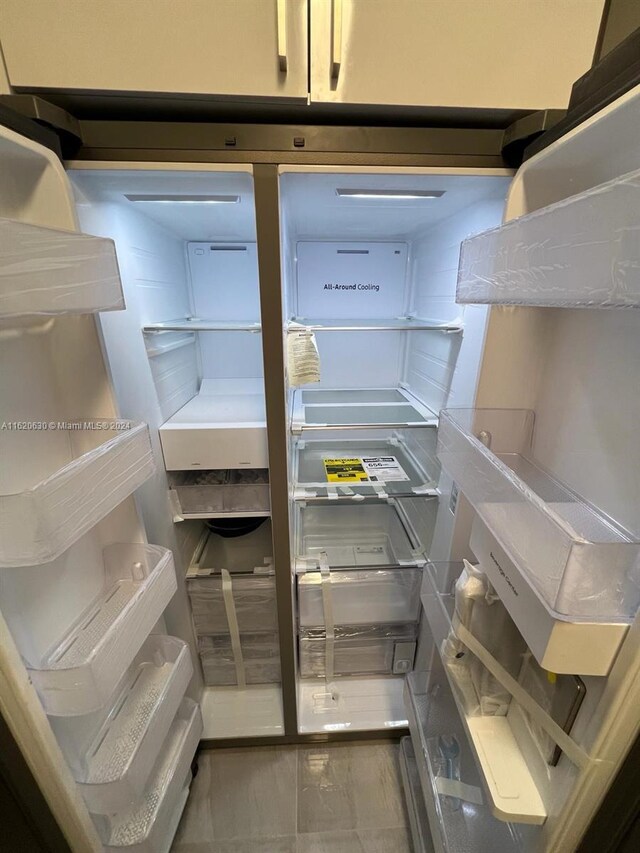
112, 752
80, 673
580, 252
195, 324
366, 408
59, 483
49, 271
391, 324
392, 467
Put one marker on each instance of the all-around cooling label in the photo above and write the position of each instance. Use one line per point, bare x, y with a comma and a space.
369, 469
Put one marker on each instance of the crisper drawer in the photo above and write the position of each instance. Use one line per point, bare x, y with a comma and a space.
365, 597
358, 651
260, 659
367, 535
221, 492
254, 598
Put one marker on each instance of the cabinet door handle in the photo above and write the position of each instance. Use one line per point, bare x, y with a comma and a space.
282, 34
336, 38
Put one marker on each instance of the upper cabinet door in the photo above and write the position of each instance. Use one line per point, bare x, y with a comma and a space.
235, 48
497, 54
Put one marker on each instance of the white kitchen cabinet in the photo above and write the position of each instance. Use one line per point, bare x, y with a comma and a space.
231, 48
498, 54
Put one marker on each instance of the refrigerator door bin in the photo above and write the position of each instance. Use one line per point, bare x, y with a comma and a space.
148, 825
363, 597
50, 271
459, 816
558, 643
581, 251
211, 494
80, 673
59, 482
113, 751
354, 535
260, 659
362, 650
349, 468
414, 798
580, 564
254, 597
365, 408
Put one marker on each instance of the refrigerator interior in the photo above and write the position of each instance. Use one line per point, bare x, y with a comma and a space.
369, 266
187, 355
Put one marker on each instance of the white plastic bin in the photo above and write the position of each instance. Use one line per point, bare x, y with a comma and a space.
113, 751
58, 482
149, 824
580, 563
581, 251
50, 271
79, 674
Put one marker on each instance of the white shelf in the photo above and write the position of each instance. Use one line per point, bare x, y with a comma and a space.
148, 826
198, 325
49, 271
460, 820
221, 427
565, 558
112, 756
233, 712
391, 324
239, 493
58, 483
80, 673
362, 408
353, 704
310, 480
414, 799
579, 252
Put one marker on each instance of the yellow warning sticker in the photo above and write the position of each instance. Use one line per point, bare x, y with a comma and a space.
345, 471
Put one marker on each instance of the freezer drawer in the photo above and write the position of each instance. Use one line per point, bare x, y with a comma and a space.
353, 535
363, 597
358, 651
221, 492
254, 598
260, 659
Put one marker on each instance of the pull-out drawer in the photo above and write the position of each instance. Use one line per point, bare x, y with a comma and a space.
254, 598
260, 659
362, 650
220, 493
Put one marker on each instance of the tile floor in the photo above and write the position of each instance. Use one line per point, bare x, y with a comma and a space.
304, 799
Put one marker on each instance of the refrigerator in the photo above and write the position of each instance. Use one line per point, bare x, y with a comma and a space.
297, 451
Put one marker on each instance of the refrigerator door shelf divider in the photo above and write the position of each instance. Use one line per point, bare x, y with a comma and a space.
113, 770
80, 673
50, 271
148, 825
99, 464
578, 252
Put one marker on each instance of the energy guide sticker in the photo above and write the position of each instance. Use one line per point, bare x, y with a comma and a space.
345, 471
368, 469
